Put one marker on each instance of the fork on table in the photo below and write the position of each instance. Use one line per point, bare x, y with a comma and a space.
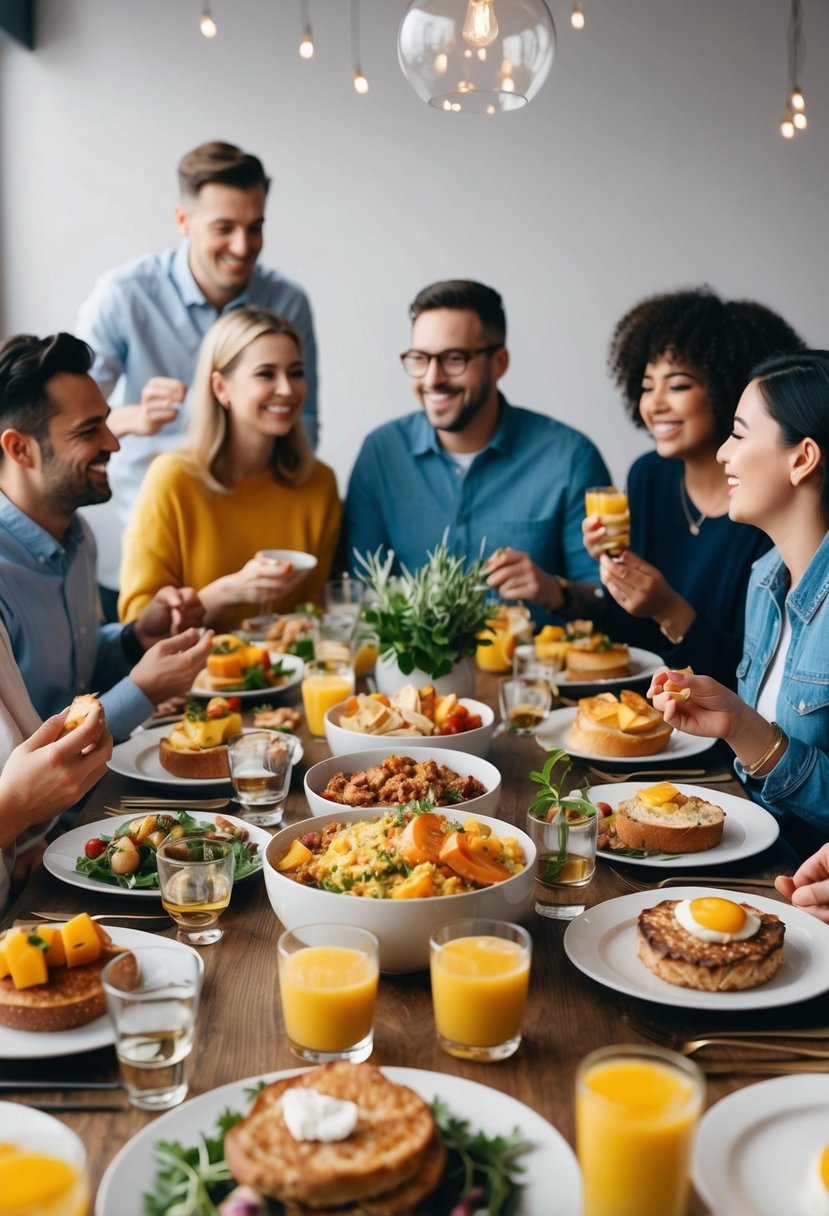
761, 1041
684, 880
698, 774
65, 916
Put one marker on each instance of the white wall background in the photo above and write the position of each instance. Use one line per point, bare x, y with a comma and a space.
650, 160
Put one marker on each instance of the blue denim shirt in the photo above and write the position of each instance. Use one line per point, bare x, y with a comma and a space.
148, 318
49, 605
797, 788
525, 489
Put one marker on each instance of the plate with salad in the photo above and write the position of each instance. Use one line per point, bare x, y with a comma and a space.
83, 856
518, 1158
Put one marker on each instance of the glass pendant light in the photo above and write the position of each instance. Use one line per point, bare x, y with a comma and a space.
476, 56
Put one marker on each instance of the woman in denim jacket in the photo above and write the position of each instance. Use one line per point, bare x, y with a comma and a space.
778, 723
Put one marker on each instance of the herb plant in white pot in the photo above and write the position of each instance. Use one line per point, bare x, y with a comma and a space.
427, 621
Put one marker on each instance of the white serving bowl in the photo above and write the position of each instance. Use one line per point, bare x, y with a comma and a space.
463, 763
476, 742
403, 926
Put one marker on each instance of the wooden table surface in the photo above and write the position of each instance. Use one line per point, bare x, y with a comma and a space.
240, 1030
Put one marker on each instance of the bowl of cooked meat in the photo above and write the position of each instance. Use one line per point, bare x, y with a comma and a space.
401, 872
387, 776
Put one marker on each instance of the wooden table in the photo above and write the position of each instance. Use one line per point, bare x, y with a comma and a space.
240, 1031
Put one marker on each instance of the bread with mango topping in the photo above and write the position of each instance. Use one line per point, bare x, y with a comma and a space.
659, 819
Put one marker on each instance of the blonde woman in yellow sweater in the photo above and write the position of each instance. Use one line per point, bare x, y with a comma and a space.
246, 480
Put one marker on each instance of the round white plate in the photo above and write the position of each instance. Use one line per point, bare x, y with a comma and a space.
294, 668
61, 855
602, 943
643, 664
753, 1149
43, 1045
550, 1163
749, 828
555, 730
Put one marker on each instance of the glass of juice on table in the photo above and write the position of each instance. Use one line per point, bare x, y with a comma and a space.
611, 505
325, 684
328, 978
565, 839
480, 971
637, 1109
152, 996
195, 877
261, 762
525, 703
43, 1166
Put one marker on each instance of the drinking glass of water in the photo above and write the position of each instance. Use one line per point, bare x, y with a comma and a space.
195, 876
261, 762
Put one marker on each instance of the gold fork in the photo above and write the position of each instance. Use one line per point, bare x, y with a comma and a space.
659, 1033
698, 774
688, 1047
684, 880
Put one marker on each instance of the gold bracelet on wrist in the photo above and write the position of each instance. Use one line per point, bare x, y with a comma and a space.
774, 747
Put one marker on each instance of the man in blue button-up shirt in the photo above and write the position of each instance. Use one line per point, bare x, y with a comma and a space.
470, 461
54, 449
145, 321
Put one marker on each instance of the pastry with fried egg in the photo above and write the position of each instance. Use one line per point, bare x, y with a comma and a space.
815, 1192
710, 943
660, 819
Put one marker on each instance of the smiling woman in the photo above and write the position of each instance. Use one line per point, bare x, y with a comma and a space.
246, 481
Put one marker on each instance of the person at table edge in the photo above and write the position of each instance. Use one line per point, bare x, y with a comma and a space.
145, 320
489, 471
54, 448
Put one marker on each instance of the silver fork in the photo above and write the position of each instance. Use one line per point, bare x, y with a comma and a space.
684, 880
129, 803
688, 1047
698, 773
64, 916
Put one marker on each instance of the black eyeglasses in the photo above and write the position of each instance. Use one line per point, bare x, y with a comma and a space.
451, 362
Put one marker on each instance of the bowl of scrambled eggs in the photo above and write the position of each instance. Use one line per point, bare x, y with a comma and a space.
400, 873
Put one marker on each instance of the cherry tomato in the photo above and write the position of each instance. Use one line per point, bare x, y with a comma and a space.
455, 724
473, 722
94, 848
604, 809
234, 703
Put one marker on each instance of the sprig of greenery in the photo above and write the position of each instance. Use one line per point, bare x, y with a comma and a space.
478, 1161
430, 619
572, 809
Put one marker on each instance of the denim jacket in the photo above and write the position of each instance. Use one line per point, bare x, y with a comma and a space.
796, 791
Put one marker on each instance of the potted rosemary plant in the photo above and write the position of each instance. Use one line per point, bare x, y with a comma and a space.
427, 621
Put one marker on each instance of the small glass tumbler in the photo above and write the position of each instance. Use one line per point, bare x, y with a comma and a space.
261, 762
152, 996
344, 598
611, 505
565, 859
526, 702
480, 972
328, 977
195, 877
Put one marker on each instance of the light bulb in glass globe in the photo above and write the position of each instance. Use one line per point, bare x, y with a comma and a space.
577, 17
207, 25
787, 125
360, 82
480, 27
798, 100
306, 47
800, 120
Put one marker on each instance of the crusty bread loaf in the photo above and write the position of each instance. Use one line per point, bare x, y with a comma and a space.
605, 740
584, 664
675, 955
79, 711
72, 997
392, 1144
197, 763
685, 825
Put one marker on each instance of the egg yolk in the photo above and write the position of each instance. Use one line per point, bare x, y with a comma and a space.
722, 915
824, 1167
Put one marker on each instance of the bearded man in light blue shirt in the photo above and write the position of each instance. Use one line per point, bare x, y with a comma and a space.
145, 321
469, 462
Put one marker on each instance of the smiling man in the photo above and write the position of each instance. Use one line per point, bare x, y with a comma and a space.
145, 320
471, 462
55, 446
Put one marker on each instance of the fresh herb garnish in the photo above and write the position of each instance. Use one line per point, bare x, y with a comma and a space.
478, 1161
566, 810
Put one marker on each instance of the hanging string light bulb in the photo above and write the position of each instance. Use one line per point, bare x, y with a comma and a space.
306, 46
357, 76
577, 17
787, 125
794, 116
207, 25
480, 27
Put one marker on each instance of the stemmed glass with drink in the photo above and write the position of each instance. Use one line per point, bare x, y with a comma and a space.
195, 877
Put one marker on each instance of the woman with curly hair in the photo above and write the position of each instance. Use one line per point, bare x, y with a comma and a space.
681, 360
246, 480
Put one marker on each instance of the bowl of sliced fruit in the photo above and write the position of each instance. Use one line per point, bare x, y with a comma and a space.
419, 716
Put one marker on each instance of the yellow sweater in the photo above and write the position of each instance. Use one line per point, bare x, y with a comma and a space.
185, 535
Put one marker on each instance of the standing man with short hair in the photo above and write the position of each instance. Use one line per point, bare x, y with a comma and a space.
471, 462
145, 320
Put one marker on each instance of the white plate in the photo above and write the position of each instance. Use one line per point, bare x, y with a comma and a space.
42, 1045
61, 855
753, 1149
602, 943
643, 664
555, 730
749, 828
138, 757
551, 1168
295, 666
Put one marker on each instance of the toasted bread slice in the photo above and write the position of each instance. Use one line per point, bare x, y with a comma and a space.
72, 997
402, 1200
675, 955
609, 664
389, 1147
683, 825
195, 763
79, 711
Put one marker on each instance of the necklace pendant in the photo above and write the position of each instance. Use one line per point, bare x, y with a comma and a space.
693, 529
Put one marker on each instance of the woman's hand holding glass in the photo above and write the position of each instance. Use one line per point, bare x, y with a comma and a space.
260, 581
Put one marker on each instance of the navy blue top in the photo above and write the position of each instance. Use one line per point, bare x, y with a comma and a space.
711, 571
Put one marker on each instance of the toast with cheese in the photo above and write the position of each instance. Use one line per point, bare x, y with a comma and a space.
660, 819
605, 725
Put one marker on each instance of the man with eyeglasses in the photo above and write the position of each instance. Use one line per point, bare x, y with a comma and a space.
471, 462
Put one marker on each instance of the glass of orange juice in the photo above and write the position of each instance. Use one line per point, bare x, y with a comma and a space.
328, 978
611, 505
637, 1109
326, 682
480, 972
43, 1165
